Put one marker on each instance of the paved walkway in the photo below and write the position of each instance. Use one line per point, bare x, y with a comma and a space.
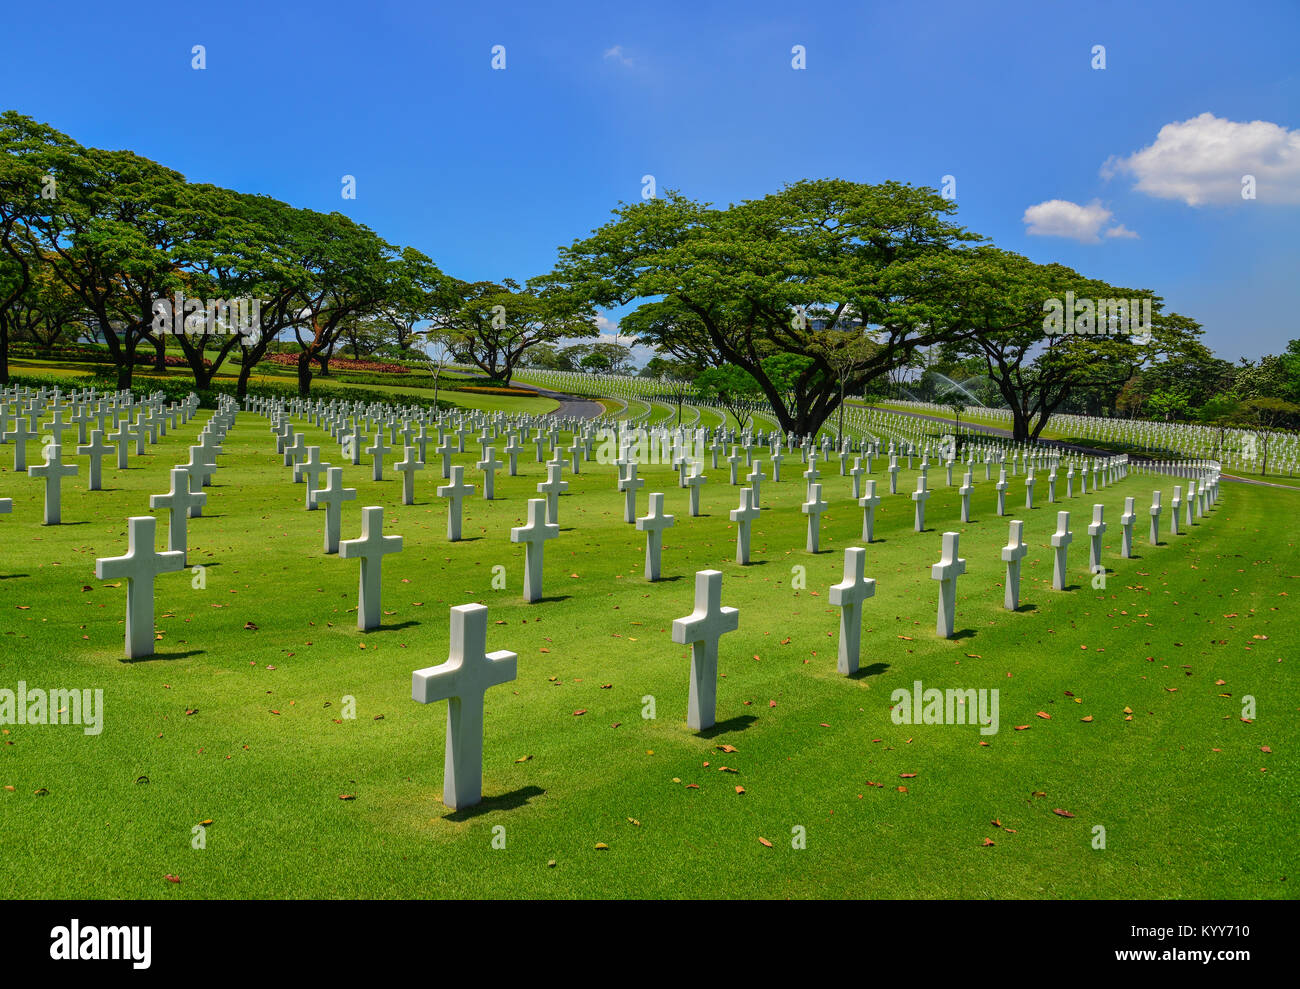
570, 405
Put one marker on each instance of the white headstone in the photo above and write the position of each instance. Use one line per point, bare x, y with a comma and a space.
653, 525
370, 549
178, 500
701, 629
54, 470
332, 496
457, 491
462, 681
534, 536
743, 517
139, 566
1012, 553
946, 572
848, 596
1061, 540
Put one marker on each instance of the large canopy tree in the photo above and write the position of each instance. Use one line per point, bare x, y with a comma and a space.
109, 231
992, 303
349, 270
493, 325
31, 154
776, 276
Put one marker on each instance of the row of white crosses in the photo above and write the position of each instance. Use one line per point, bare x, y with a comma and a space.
151, 423
142, 563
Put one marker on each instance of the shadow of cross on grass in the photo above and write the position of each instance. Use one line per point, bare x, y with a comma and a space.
506, 801
875, 669
738, 723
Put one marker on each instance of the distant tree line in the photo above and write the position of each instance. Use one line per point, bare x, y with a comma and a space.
823, 290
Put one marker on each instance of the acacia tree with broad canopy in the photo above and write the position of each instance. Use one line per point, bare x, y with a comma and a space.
493, 325
757, 280
349, 271
993, 307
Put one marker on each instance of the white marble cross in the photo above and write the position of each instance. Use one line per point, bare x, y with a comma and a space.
534, 536
1012, 553
141, 431
20, 434
756, 477
893, 474
332, 496
653, 525
856, 474
54, 470
920, 496
378, 449
1126, 529
868, 503
121, 438
1051, 487
96, 450
199, 469
848, 596
370, 549
457, 491
139, 566
462, 681
553, 487
701, 629
1029, 489
1175, 507
310, 468
630, 484
946, 572
178, 500
1154, 536
1001, 488
734, 460
512, 451
489, 465
743, 517
294, 452
811, 476
407, 468
694, 482
1060, 540
813, 508
965, 491
1096, 530
57, 425
445, 450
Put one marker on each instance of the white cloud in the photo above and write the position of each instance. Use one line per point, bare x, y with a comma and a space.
1203, 160
1062, 218
616, 54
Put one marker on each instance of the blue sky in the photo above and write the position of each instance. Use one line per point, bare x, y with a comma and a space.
1130, 173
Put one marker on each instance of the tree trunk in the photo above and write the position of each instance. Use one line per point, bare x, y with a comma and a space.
304, 374
160, 353
4, 350
1019, 425
241, 387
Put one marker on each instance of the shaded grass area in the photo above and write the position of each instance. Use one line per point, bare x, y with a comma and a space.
1190, 804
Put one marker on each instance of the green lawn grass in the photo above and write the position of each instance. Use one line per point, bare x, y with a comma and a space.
1190, 804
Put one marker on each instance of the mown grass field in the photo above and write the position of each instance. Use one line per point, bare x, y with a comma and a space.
1191, 803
